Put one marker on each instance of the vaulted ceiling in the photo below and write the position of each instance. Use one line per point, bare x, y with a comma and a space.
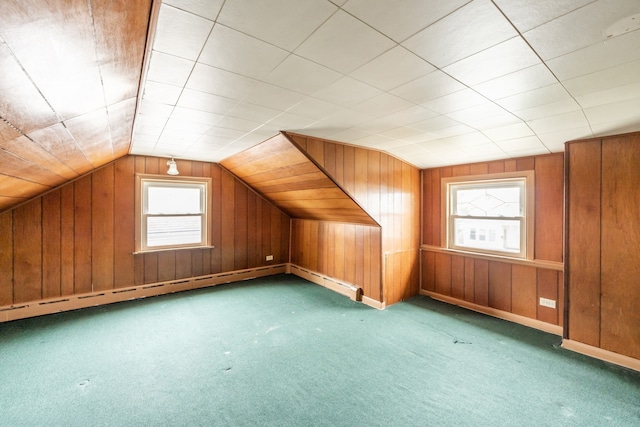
431, 82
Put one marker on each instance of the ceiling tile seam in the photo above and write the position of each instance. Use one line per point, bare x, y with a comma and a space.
10, 153
104, 93
552, 19
547, 67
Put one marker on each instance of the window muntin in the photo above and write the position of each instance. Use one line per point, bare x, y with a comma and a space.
172, 212
490, 214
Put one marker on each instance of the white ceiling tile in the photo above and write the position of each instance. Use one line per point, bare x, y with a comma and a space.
283, 23
429, 87
546, 110
392, 69
515, 131
597, 57
197, 100
517, 82
347, 92
216, 133
410, 115
497, 120
341, 119
520, 144
527, 14
291, 122
220, 82
344, 43
504, 58
620, 76
350, 134
401, 21
478, 113
301, 75
609, 96
621, 111
383, 104
189, 115
234, 51
544, 95
274, 97
571, 120
313, 108
161, 93
180, 33
235, 123
456, 101
252, 112
179, 125
206, 8
578, 29
616, 127
470, 29
169, 69
555, 140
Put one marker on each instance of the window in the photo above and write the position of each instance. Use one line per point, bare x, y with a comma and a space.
171, 212
490, 214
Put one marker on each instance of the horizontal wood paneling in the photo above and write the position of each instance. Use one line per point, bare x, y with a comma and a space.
499, 284
281, 172
70, 80
80, 237
389, 191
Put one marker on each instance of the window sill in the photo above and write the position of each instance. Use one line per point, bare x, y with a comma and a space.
549, 265
151, 251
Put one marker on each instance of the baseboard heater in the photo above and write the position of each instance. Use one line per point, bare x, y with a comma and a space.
102, 297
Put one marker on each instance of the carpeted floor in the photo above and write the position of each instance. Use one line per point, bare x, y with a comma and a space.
281, 351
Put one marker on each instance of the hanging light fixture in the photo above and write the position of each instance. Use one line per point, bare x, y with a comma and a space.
173, 167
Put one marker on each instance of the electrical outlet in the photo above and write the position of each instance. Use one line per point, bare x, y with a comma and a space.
545, 302
269, 258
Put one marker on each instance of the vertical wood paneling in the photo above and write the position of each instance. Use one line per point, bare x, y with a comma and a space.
67, 231
548, 288
27, 252
51, 252
349, 170
6, 258
524, 291
469, 280
457, 277
481, 282
584, 241
429, 271
82, 236
102, 228
443, 274
500, 285
549, 183
620, 250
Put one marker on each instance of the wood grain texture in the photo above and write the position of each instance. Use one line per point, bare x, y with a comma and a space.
80, 237
620, 247
500, 285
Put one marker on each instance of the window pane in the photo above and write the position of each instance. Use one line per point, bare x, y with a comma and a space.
173, 200
501, 235
173, 230
490, 201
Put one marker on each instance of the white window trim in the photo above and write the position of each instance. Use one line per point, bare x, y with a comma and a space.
140, 229
528, 231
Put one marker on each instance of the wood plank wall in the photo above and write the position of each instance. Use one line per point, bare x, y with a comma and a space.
389, 190
499, 284
603, 231
79, 238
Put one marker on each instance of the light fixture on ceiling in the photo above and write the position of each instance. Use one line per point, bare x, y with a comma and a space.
173, 167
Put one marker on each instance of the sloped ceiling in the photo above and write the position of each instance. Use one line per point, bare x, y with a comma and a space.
279, 171
69, 79
432, 82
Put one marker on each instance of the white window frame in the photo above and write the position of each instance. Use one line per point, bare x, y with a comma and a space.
144, 181
526, 219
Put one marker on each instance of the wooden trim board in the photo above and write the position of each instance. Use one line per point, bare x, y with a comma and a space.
602, 354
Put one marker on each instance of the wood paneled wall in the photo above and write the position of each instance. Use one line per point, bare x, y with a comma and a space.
500, 284
389, 190
603, 235
79, 238
350, 252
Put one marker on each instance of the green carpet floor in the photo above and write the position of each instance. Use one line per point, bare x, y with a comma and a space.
281, 351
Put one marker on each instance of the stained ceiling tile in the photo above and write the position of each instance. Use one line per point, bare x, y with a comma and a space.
344, 43
472, 28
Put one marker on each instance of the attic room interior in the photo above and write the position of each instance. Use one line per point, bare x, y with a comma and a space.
479, 153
